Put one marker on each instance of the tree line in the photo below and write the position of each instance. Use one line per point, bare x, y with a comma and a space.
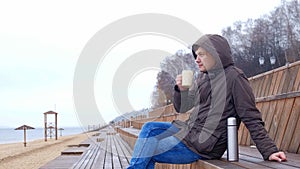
273, 39
258, 45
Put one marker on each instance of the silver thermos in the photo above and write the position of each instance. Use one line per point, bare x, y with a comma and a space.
232, 140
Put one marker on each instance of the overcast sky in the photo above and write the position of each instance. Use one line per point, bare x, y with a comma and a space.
40, 42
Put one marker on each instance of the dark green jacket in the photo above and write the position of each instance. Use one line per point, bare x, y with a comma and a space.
216, 95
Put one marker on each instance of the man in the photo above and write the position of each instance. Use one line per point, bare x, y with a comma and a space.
221, 91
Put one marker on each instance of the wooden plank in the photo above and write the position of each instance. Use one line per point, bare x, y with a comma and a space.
63, 161
273, 82
123, 154
295, 142
267, 164
270, 115
264, 85
285, 114
242, 162
129, 138
282, 82
293, 76
213, 164
108, 163
126, 148
90, 157
253, 84
265, 110
84, 157
287, 80
99, 163
156, 113
115, 155
259, 106
278, 97
172, 166
245, 136
249, 164
260, 84
94, 157
268, 84
297, 81
292, 122
97, 158
240, 133
277, 83
293, 159
258, 89
276, 118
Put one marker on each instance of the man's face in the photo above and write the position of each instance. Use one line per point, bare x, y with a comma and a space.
204, 60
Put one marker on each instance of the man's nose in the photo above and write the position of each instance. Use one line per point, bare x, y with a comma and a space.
198, 60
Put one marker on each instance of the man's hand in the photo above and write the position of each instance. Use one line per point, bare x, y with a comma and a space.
279, 156
179, 83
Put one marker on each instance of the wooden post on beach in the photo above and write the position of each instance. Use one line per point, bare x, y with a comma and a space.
24, 137
45, 126
24, 127
56, 126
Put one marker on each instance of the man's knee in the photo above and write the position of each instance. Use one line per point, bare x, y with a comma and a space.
149, 125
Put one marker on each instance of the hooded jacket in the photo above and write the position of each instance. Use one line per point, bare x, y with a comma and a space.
218, 94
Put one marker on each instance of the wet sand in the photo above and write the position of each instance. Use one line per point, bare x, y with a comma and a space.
37, 153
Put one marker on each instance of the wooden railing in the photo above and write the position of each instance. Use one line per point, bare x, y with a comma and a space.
285, 79
277, 97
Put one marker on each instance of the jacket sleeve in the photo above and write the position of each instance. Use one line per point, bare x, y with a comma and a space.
245, 107
183, 100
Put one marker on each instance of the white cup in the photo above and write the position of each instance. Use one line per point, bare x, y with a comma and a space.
187, 78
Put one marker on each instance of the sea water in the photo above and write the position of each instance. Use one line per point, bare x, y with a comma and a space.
10, 135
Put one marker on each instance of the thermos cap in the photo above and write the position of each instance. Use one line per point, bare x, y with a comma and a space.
231, 121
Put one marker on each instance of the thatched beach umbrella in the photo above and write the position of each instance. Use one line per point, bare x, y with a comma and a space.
60, 129
24, 127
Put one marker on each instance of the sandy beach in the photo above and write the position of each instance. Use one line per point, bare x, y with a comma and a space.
37, 153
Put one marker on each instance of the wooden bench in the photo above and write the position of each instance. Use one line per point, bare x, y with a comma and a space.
249, 157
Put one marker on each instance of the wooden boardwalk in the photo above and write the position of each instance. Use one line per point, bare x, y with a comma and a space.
108, 150
103, 150
277, 97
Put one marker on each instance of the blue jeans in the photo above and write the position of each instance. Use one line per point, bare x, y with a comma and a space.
156, 143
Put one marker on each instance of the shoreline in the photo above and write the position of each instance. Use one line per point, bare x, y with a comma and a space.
38, 139
14, 136
38, 152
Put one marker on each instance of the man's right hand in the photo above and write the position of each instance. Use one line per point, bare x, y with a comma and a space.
279, 156
179, 83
